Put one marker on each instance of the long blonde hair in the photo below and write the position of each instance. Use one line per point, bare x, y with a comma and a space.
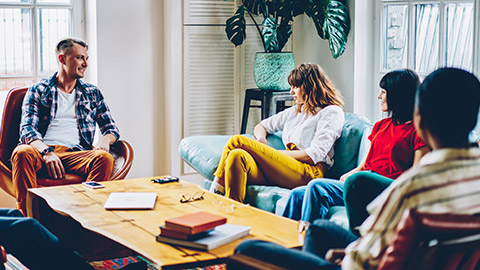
319, 91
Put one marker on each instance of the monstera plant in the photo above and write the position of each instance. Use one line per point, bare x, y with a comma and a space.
330, 17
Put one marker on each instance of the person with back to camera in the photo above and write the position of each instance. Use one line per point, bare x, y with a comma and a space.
446, 181
310, 129
59, 118
395, 147
38, 249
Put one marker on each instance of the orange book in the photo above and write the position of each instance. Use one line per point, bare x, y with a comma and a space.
195, 223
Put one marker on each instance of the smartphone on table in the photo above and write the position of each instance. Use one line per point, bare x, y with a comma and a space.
92, 185
166, 179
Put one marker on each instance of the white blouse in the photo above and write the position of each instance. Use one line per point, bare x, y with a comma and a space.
316, 134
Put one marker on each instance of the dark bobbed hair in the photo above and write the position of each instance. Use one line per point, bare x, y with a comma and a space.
319, 90
448, 101
64, 44
400, 85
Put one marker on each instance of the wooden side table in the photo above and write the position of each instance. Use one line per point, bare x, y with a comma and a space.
271, 102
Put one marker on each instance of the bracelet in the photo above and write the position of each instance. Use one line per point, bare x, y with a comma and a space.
47, 150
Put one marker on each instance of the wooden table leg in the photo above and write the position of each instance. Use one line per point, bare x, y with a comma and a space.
92, 246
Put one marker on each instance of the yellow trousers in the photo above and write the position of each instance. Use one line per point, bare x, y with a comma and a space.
245, 160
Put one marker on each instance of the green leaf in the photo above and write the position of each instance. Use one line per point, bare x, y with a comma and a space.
337, 27
284, 31
292, 8
257, 7
330, 17
273, 7
269, 33
288, 10
332, 22
235, 27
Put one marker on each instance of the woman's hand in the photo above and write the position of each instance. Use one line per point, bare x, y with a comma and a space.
260, 133
262, 140
299, 155
345, 176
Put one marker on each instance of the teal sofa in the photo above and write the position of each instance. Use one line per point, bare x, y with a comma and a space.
203, 153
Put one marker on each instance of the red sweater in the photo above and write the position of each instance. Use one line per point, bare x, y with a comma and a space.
392, 148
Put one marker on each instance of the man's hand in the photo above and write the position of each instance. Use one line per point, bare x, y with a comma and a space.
54, 166
104, 142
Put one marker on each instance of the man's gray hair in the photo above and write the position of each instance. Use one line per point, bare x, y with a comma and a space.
66, 43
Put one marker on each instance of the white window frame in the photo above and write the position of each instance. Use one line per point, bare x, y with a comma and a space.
411, 30
77, 29
379, 36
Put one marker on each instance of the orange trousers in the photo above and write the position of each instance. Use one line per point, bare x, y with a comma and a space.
245, 160
95, 165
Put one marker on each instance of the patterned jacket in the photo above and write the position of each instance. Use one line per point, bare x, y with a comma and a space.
40, 106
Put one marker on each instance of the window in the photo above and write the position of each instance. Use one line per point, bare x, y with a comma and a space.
29, 31
425, 35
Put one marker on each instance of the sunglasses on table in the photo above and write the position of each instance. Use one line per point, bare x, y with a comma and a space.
191, 198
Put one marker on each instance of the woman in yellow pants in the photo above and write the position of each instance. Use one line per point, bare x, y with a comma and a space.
310, 129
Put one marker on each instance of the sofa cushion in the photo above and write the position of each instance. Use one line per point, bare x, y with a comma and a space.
338, 214
347, 146
280, 205
265, 197
364, 145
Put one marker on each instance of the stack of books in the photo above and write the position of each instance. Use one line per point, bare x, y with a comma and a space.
200, 230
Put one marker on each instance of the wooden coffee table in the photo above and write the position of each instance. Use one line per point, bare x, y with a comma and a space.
77, 216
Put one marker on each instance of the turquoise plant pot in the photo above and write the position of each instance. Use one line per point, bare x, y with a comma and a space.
271, 70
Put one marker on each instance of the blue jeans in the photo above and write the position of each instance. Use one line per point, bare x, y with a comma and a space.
321, 236
33, 245
313, 201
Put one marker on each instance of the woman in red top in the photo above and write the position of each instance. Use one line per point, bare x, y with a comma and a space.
394, 148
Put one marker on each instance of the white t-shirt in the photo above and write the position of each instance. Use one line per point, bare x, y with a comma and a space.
316, 134
63, 129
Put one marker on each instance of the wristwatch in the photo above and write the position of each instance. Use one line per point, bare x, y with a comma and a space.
46, 151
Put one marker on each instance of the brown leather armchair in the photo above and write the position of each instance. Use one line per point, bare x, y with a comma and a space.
434, 241
121, 151
422, 241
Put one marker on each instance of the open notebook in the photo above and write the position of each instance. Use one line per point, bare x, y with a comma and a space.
130, 200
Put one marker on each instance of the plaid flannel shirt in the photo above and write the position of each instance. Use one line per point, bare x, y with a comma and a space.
40, 106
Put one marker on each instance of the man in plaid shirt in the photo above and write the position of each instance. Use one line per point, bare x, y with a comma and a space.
59, 117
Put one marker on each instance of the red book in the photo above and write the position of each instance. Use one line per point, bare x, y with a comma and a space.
195, 223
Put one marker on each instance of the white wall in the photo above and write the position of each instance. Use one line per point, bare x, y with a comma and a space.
308, 47
130, 60
352, 73
131, 39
